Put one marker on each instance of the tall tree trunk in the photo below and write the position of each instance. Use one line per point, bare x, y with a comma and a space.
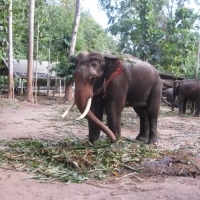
37, 60
10, 55
68, 90
29, 93
49, 53
56, 81
197, 67
49, 60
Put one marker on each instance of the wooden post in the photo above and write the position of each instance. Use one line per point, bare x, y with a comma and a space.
22, 87
60, 86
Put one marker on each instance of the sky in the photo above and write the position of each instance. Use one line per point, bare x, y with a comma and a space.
97, 14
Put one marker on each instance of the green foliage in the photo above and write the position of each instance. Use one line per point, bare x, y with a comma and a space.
180, 44
156, 31
55, 19
75, 160
92, 37
65, 71
3, 28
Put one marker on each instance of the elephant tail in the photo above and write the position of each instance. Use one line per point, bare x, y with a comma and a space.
170, 104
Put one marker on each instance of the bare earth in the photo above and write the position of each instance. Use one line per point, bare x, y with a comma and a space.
43, 120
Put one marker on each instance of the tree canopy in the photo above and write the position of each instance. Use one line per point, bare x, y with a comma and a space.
164, 32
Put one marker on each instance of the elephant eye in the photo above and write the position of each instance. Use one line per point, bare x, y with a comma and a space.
94, 63
92, 79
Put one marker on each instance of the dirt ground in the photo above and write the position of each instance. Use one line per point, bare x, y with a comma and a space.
20, 119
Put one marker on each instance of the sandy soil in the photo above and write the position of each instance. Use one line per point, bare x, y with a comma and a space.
43, 120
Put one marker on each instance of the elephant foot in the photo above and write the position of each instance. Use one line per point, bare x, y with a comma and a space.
153, 139
141, 136
92, 141
154, 142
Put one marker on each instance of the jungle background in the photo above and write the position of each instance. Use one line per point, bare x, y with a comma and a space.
164, 33
45, 157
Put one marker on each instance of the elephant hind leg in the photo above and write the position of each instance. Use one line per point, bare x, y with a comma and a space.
197, 108
152, 113
153, 135
144, 123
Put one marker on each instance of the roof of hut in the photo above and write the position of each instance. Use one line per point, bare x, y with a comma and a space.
20, 69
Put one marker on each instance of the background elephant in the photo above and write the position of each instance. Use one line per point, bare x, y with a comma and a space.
187, 90
114, 83
169, 94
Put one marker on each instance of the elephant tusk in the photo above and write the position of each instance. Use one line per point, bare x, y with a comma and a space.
67, 111
86, 109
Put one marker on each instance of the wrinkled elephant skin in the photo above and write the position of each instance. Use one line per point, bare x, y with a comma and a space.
114, 83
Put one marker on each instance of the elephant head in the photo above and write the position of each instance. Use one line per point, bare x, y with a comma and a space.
92, 74
176, 89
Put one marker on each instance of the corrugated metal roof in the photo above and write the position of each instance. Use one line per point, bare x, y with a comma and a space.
20, 68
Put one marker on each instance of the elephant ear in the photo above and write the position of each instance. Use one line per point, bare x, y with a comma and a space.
113, 67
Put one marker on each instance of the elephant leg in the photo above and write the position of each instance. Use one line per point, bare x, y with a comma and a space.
184, 106
114, 119
197, 108
144, 123
153, 122
192, 107
94, 131
152, 109
181, 106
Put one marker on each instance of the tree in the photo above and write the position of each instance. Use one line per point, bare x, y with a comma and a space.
29, 93
10, 54
179, 47
68, 92
134, 23
3, 28
158, 31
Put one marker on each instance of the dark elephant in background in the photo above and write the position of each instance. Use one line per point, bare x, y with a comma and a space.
112, 83
169, 94
187, 90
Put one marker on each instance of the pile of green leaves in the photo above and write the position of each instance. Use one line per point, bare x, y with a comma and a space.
74, 160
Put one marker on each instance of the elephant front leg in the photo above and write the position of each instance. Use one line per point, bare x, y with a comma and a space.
115, 126
94, 130
144, 124
181, 105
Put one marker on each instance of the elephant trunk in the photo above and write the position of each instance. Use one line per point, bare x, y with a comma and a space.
82, 95
174, 99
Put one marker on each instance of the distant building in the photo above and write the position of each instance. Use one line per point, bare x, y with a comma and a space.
42, 68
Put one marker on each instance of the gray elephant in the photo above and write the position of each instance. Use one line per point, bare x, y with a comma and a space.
104, 81
187, 90
169, 94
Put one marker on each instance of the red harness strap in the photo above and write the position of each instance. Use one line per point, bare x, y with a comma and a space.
117, 72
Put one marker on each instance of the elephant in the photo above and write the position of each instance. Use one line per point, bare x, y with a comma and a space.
108, 82
169, 94
187, 90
